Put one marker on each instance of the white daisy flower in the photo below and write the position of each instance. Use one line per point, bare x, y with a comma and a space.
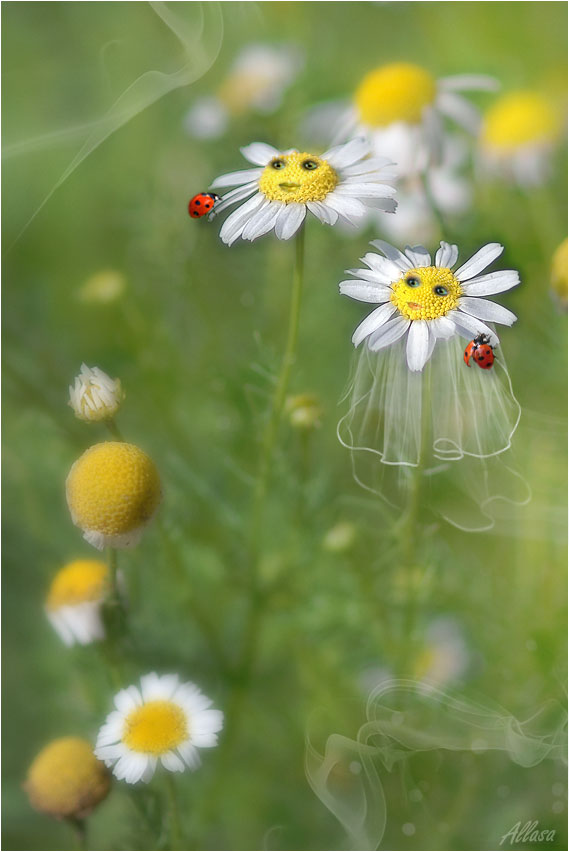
165, 721
74, 601
338, 185
423, 303
400, 108
518, 137
95, 396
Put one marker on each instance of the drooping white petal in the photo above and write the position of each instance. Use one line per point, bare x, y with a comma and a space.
171, 761
468, 83
460, 110
399, 259
325, 214
372, 322
442, 327
418, 255
417, 345
259, 153
262, 221
237, 178
151, 764
344, 205
289, 220
479, 261
234, 196
493, 283
363, 291
233, 226
190, 754
388, 333
484, 309
470, 327
365, 190
345, 155
446, 256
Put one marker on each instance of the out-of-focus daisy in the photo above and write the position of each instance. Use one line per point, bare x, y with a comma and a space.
422, 302
103, 287
256, 82
95, 396
284, 185
400, 108
304, 411
113, 491
340, 537
66, 780
73, 604
163, 720
559, 273
413, 399
444, 657
518, 136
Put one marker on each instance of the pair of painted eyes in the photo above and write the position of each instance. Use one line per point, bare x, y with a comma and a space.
309, 165
439, 290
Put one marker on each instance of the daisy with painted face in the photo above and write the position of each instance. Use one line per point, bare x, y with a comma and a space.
413, 400
162, 721
277, 194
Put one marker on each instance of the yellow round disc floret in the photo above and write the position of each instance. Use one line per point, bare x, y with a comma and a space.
66, 779
155, 728
297, 177
396, 92
79, 581
559, 272
113, 489
519, 119
426, 293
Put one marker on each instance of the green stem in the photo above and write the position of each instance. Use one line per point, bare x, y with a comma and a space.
114, 430
173, 813
79, 827
115, 621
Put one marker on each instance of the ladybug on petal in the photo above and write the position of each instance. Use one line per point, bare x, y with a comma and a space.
202, 203
480, 350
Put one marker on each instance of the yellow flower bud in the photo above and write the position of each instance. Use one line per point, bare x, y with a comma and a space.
95, 396
113, 491
66, 780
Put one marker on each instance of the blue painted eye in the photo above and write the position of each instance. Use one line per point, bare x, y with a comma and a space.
413, 281
278, 164
309, 165
440, 291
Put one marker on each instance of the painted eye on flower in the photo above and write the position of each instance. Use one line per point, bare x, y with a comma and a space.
413, 281
309, 165
278, 164
440, 291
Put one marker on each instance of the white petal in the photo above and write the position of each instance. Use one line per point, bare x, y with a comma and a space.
446, 256
237, 178
460, 110
479, 261
442, 327
128, 699
370, 165
233, 226
470, 327
486, 310
207, 722
494, 282
417, 345
289, 220
363, 291
261, 221
418, 255
234, 196
171, 761
344, 205
469, 82
344, 155
386, 271
136, 768
388, 333
151, 764
259, 153
399, 259
372, 322
190, 754
325, 214
205, 740
366, 190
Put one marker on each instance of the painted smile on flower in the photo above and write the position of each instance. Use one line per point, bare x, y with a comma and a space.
427, 302
337, 185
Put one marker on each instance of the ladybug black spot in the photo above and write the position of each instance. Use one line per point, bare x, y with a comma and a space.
481, 357
197, 203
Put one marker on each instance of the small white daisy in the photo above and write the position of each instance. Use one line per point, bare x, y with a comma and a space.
425, 302
165, 721
284, 185
400, 108
73, 604
518, 137
95, 396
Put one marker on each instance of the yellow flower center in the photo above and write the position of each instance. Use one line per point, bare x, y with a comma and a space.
297, 177
80, 581
426, 293
155, 728
66, 779
397, 92
519, 119
113, 488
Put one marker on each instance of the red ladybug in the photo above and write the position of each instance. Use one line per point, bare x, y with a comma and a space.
481, 351
201, 204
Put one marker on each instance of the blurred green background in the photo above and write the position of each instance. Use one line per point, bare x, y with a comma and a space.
195, 339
